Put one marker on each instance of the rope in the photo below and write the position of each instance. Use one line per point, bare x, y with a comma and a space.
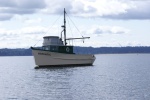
74, 25
70, 29
76, 48
48, 29
78, 31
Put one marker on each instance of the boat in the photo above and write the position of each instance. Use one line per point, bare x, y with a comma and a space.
56, 52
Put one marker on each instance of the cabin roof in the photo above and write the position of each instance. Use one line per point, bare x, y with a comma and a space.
50, 37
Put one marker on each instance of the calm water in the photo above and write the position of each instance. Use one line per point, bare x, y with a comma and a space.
113, 77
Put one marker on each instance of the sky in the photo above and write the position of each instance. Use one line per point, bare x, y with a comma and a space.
108, 23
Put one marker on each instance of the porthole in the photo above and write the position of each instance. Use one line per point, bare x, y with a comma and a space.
67, 49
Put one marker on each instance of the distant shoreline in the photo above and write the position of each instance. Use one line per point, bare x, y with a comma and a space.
82, 50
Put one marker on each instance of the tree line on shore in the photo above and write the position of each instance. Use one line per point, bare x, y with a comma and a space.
79, 50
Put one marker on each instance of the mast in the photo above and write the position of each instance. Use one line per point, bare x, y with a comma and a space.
65, 27
64, 30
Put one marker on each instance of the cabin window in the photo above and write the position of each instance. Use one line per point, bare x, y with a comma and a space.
53, 48
46, 48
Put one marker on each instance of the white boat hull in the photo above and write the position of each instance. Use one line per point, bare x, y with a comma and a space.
47, 58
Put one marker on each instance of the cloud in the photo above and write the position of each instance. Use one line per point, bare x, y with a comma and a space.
112, 9
57, 6
33, 30
20, 34
116, 9
139, 10
28, 4
9, 8
32, 21
108, 30
26, 36
5, 17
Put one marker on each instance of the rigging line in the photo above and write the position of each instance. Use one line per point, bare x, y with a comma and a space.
49, 28
70, 29
76, 48
78, 30
77, 51
74, 25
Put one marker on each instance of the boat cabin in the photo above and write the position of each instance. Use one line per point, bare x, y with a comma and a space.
52, 40
55, 44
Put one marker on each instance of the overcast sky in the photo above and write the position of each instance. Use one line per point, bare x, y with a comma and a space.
113, 23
